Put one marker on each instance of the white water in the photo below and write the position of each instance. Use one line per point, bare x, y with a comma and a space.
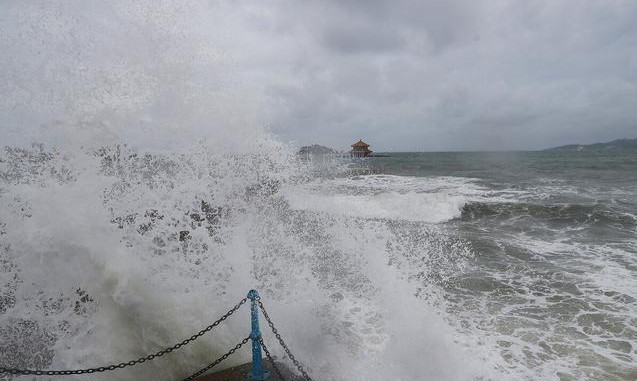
432, 199
111, 228
94, 267
432, 207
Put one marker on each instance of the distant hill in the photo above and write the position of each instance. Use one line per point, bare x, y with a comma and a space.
316, 149
615, 145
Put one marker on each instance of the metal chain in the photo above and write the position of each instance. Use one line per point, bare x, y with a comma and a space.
217, 361
140, 360
267, 353
280, 339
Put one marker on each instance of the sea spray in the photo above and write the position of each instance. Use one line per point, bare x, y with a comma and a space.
151, 203
130, 252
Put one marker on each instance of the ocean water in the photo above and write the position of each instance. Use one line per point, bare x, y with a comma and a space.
553, 241
431, 266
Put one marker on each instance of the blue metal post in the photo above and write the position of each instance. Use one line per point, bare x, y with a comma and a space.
257, 372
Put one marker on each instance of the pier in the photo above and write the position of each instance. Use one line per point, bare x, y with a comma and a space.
240, 372
257, 370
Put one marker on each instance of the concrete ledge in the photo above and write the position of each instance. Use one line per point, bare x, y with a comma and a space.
239, 373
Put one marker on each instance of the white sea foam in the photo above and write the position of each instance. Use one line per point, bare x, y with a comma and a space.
568, 314
425, 199
426, 207
455, 186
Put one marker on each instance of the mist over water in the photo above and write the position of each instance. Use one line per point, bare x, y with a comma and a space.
154, 74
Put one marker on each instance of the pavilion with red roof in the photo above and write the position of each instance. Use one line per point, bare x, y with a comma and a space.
360, 149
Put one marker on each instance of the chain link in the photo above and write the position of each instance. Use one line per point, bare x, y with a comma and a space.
217, 361
267, 353
121, 365
280, 339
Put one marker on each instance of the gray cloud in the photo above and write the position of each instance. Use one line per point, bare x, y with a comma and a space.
502, 76
405, 74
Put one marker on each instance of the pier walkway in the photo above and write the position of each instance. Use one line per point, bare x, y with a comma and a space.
255, 371
240, 372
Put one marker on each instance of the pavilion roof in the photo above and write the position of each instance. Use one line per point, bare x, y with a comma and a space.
360, 143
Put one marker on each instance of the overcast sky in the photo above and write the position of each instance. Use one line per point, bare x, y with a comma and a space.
403, 75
